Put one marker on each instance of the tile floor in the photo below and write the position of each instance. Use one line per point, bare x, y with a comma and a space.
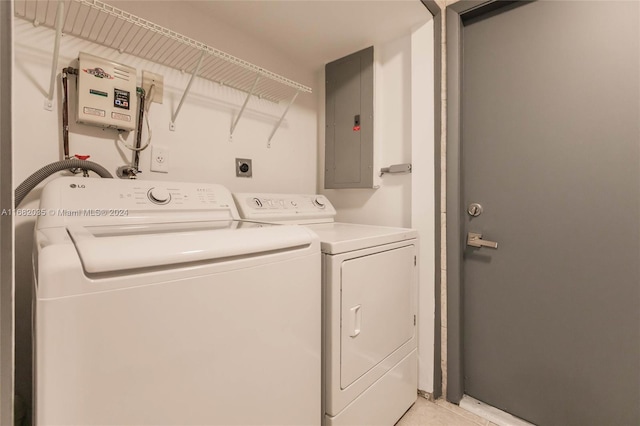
440, 413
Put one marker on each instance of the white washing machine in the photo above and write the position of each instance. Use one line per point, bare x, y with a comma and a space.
370, 308
155, 305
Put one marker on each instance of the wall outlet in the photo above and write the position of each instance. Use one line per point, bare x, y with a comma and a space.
243, 167
159, 159
157, 81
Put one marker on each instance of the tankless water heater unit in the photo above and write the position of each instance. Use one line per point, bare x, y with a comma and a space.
106, 93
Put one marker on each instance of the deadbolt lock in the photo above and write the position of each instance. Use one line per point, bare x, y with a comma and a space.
474, 209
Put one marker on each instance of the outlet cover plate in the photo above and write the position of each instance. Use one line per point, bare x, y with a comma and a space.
159, 159
244, 167
149, 78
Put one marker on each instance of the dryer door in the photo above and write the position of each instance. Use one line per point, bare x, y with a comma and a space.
377, 312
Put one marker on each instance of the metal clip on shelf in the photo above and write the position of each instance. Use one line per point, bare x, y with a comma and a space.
396, 168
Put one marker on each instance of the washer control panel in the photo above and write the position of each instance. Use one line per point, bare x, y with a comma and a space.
81, 200
298, 208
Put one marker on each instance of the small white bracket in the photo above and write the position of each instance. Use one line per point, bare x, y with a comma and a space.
48, 102
244, 105
172, 125
273, 132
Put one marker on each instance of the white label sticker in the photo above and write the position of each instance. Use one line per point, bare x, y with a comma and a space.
94, 111
123, 117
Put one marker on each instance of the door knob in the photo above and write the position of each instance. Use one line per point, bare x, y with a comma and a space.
475, 240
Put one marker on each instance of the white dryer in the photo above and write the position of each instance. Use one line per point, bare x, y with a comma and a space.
155, 305
370, 308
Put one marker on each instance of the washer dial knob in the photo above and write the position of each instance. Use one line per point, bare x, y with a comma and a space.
319, 202
159, 195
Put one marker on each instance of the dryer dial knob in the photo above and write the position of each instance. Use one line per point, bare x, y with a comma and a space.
319, 202
159, 195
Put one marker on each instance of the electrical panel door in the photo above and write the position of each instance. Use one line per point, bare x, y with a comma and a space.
349, 121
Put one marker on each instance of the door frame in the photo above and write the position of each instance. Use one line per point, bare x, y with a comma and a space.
438, 15
7, 285
454, 211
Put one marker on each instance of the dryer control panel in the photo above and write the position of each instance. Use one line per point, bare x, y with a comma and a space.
285, 208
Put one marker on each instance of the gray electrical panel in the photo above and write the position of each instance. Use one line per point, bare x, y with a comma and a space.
349, 121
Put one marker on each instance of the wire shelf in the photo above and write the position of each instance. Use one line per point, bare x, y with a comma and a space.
109, 26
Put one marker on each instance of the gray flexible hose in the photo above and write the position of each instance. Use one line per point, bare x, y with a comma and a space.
32, 181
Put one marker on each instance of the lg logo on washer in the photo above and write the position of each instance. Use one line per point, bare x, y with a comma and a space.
73, 186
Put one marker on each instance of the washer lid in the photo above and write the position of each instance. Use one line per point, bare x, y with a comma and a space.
121, 247
338, 238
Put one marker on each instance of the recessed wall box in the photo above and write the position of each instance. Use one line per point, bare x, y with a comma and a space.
243, 167
106, 93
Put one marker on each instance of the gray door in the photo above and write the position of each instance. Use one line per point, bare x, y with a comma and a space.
550, 135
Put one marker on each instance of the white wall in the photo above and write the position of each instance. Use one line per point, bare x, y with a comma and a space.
403, 133
199, 150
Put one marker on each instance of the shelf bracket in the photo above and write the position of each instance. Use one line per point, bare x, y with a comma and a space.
244, 105
48, 102
286, 110
172, 125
